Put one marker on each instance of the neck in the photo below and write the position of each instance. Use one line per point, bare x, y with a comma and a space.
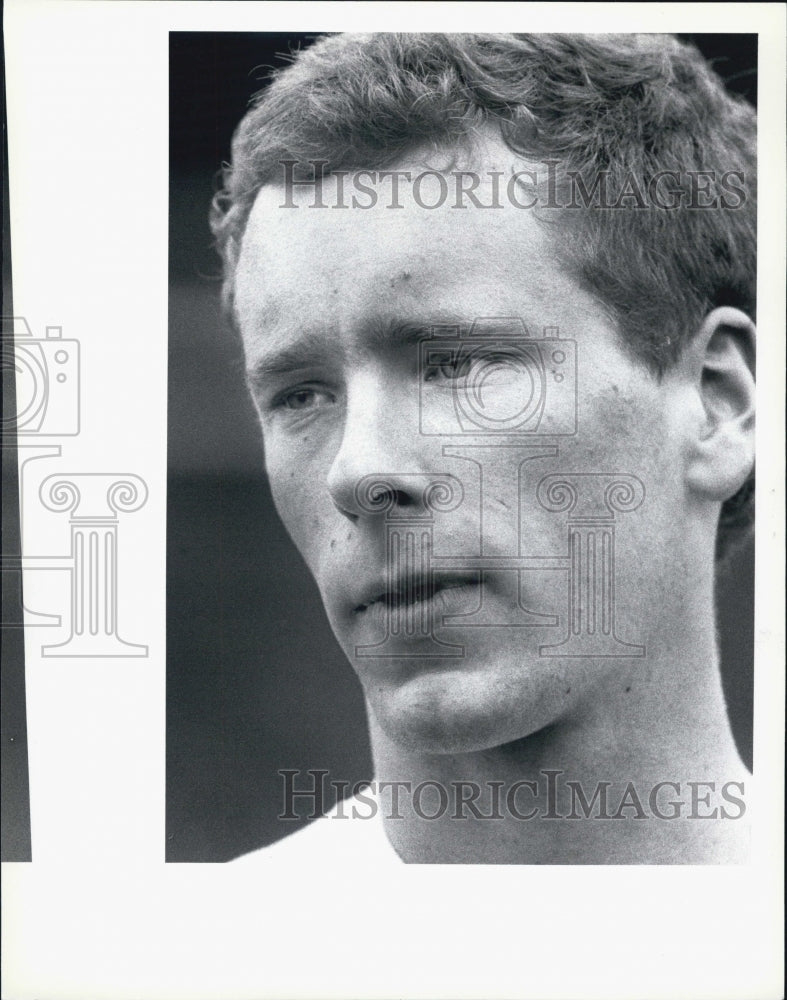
657, 720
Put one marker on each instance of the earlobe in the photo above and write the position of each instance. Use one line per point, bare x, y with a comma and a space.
722, 449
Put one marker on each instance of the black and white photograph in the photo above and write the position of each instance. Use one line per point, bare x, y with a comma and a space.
383, 609
474, 438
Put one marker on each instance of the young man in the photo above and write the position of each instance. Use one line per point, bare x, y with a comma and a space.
496, 298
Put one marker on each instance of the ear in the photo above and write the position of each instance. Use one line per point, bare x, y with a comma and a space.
722, 446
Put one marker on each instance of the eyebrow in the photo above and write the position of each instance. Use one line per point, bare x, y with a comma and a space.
312, 346
285, 359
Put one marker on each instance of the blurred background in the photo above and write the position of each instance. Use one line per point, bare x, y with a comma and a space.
255, 680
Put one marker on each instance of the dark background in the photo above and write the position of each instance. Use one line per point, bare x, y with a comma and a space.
15, 841
255, 679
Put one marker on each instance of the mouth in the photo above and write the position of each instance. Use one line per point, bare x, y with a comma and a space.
417, 590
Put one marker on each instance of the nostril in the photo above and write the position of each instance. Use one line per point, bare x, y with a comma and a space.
402, 499
384, 497
376, 495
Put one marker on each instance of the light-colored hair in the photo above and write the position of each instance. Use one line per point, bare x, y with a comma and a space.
627, 106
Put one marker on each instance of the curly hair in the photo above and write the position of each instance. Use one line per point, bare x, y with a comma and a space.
628, 106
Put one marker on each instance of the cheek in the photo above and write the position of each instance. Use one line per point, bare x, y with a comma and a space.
624, 427
295, 489
298, 484
629, 428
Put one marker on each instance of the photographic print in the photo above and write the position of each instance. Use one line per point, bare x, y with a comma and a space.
383, 612
478, 544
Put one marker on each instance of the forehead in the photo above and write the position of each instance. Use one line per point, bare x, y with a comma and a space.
301, 264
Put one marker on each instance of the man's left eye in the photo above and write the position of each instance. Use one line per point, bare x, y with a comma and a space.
447, 367
470, 367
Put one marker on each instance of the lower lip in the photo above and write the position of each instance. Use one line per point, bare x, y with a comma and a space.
411, 622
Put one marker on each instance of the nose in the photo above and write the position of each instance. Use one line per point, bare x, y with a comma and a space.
380, 438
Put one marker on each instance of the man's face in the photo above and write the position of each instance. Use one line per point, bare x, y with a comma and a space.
332, 305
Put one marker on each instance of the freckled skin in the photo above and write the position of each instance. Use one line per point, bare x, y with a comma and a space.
502, 710
478, 264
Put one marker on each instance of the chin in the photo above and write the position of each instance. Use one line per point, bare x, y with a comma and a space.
434, 714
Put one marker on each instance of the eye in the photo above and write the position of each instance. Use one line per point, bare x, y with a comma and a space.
497, 366
446, 366
302, 398
464, 365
